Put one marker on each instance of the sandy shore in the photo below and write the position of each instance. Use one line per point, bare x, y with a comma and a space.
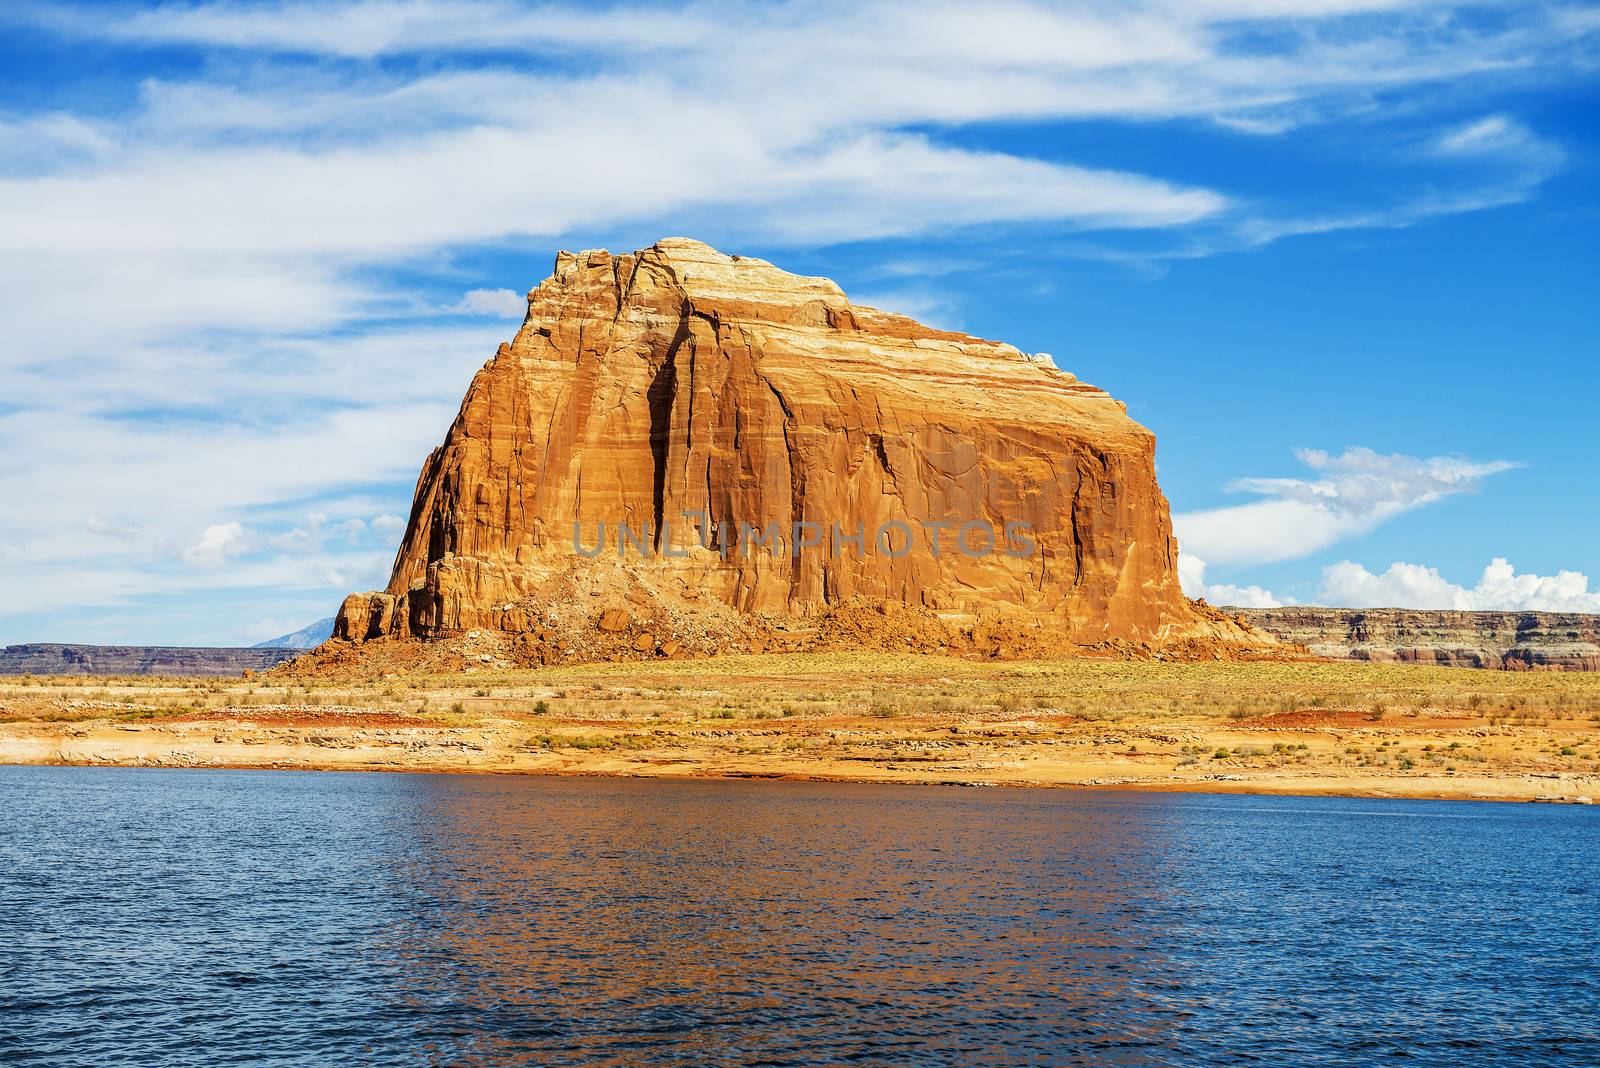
1346, 729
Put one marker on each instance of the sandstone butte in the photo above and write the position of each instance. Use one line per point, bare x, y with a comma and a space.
677, 382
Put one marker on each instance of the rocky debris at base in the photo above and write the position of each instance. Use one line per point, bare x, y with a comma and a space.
651, 629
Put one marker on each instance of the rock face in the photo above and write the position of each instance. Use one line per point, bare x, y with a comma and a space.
757, 444
1512, 641
47, 659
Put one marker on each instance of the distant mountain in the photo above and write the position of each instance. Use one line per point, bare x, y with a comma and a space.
304, 638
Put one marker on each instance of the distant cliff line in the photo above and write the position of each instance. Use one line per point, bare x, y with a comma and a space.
1506, 641
52, 659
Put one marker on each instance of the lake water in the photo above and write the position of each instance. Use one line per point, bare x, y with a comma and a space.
153, 917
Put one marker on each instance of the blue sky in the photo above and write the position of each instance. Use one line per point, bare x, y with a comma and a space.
1341, 255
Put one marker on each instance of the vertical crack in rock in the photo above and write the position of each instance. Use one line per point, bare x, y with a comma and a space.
660, 397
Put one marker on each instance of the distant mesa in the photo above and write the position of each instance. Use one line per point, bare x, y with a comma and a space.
43, 658
1509, 641
782, 469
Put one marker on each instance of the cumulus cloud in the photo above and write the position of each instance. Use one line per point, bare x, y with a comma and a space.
1354, 492
505, 303
216, 544
314, 534
1192, 577
388, 524
1500, 588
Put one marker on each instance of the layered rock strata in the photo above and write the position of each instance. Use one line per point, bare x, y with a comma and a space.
1511, 641
680, 433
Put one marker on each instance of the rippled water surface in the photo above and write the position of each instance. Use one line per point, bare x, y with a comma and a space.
152, 917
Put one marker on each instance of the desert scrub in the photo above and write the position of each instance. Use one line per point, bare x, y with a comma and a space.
146, 713
577, 741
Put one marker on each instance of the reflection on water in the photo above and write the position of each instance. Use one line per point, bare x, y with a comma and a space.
722, 919
193, 917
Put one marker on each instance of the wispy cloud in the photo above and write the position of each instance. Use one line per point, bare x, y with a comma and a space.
1355, 492
197, 275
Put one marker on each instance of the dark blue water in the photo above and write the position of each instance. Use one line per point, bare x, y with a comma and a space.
273, 918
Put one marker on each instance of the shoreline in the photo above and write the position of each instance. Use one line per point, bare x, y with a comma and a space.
1302, 729
1243, 789
458, 750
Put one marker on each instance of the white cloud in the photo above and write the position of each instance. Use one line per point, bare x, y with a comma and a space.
1192, 576
265, 630
1358, 490
51, 140
1500, 588
349, 167
1497, 135
505, 303
388, 524
216, 545
367, 28
1500, 160
203, 258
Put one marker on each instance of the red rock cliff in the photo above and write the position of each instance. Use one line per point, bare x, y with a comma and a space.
681, 380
